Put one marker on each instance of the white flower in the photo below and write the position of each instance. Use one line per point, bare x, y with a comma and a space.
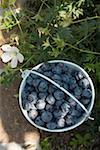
11, 53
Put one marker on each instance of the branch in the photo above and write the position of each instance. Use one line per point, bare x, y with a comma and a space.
86, 19
81, 50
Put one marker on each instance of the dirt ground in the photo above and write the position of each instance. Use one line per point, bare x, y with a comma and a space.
13, 125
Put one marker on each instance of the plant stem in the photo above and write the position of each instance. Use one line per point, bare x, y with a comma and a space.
81, 50
17, 21
45, 3
86, 19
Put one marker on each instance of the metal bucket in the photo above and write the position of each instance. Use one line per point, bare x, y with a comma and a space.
26, 73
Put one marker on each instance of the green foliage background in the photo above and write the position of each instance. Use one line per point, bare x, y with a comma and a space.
58, 29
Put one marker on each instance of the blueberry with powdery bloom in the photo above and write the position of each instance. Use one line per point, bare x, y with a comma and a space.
78, 91
50, 99
72, 83
84, 83
69, 120
40, 104
46, 116
27, 106
65, 107
87, 93
33, 97
78, 75
33, 114
61, 123
32, 106
43, 86
58, 94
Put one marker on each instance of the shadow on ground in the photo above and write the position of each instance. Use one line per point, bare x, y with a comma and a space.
13, 125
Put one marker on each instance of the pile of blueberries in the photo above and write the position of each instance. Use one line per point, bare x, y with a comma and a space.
48, 106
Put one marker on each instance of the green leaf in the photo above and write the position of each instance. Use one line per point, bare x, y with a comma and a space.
59, 42
12, 2
46, 44
55, 52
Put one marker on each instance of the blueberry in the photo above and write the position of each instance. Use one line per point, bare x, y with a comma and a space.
39, 121
65, 78
56, 77
78, 91
34, 76
32, 106
72, 102
59, 95
51, 89
49, 107
46, 116
36, 82
58, 103
33, 97
50, 99
40, 104
60, 65
46, 67
61, 123
51, 125
43, 95
72, 83
24, 95
79, 75
65, 107
33, 114
76, 113
28, 88
69, 120
85, 101
48, 74
29, 80
65, 68
43, 86
84, 83
87, 93
65, 85
57, 114
27, 106
57, 70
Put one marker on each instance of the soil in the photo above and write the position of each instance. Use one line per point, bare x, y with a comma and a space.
13, 125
